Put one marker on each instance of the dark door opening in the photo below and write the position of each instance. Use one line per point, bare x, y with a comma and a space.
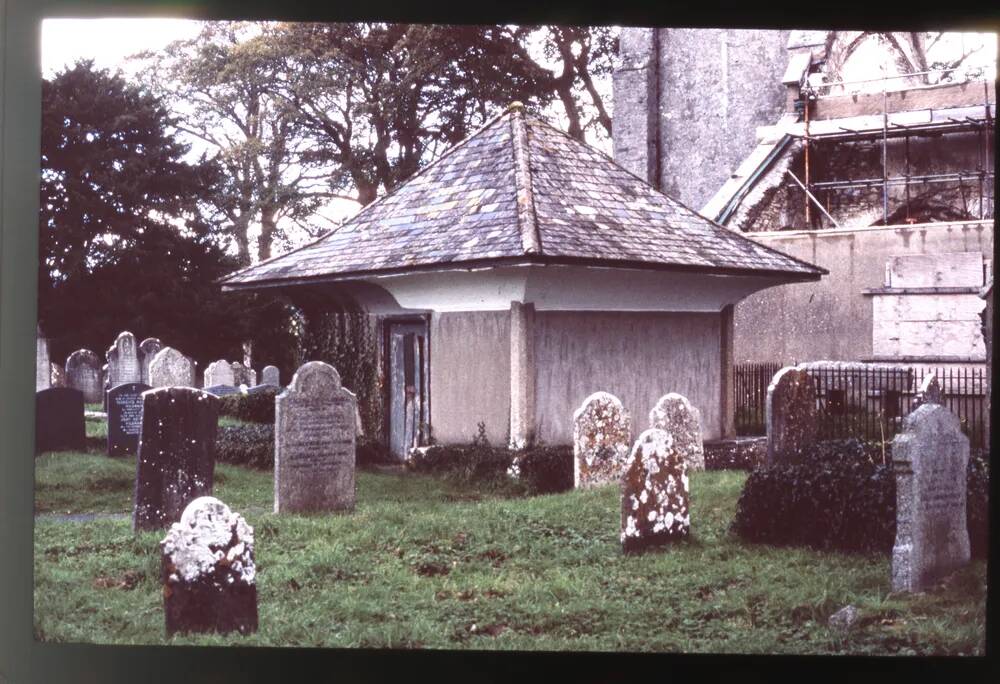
409, 411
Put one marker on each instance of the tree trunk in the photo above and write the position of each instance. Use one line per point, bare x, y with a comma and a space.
268, 227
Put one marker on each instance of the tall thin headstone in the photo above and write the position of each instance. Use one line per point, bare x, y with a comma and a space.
123, 360
219, 373
654, 493
83, 372
176, 461
105, 385
171, 368
602, 432
792, 427
57, 375
271, 376
314, 442
148, 348
125, 418
676, 415
930, 457
43, 374
208, 571
59, 421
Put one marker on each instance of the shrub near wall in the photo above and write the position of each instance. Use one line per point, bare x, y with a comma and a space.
843, 498
257, 407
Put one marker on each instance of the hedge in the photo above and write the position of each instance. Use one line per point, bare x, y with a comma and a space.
252, 445
256, 407
843, 497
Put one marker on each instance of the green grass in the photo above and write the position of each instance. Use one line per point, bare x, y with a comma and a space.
421, 563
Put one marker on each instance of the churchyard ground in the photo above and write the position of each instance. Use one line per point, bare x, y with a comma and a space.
424, 563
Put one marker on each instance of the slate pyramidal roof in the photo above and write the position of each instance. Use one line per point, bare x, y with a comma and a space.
519, 191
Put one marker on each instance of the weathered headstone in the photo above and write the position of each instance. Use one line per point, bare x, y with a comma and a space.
105, 384
655, 500
83, 372
148, 348
314, 442
675, 414
219, 373
602, 432
271, 376
208, 571
792, 426
125, 418
123, 360
57, 375
929, 391
170, 368
43, 374
59, 421
243, 375
176, 461
930, 457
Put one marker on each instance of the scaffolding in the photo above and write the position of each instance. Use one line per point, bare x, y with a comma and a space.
890, 130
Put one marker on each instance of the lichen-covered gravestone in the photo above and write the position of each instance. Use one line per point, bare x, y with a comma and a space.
602, 432
123, 360
792, 426
176, 461
125, 418
148, 348
208, 571
219, 373
271, 376
930, 457
243, 375
673, 413
59, 421
655, 500
314, 441
83, 372
171, 368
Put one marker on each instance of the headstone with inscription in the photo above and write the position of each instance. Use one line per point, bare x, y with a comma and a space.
43, 374
83, 372
654, 493
271, 376
219, 373
930, 457
171, 368
125, 418
676, 415
208, 571
148, 348
176, 461
791, 417
314, 442
59, 421
602, 432
123, 360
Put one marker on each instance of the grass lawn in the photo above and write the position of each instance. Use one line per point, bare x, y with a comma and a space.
422, 564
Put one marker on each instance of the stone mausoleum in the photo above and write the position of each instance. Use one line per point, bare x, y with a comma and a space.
521, 272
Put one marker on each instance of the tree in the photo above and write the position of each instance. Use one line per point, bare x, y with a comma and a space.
122, 242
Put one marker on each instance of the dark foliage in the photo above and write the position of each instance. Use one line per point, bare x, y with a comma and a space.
250, 445
546, 469
843, 497
372, 453
746, 455
257, 407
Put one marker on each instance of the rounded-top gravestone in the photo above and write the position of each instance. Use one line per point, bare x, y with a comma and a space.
271, 376
171, 368
148, 348
176, 461
654, 493
602, 431
219, 373
125, 418
791, 416
314, 442
83, 372
123, 360
208, 571
676, 415
59, 420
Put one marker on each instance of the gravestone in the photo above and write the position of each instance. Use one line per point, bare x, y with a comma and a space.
208, 571
59, 421
314, 442
125, 418
148, 348
106, 384
176, 454
675, 414
243, 375
170, 368
57, 375
271, 376
930, 457
929, 391
123, 360
219, 373
655, 500
43, 374
602, 431
222, 390
83, 372
792, 420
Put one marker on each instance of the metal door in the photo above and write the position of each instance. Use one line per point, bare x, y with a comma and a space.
408, 408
